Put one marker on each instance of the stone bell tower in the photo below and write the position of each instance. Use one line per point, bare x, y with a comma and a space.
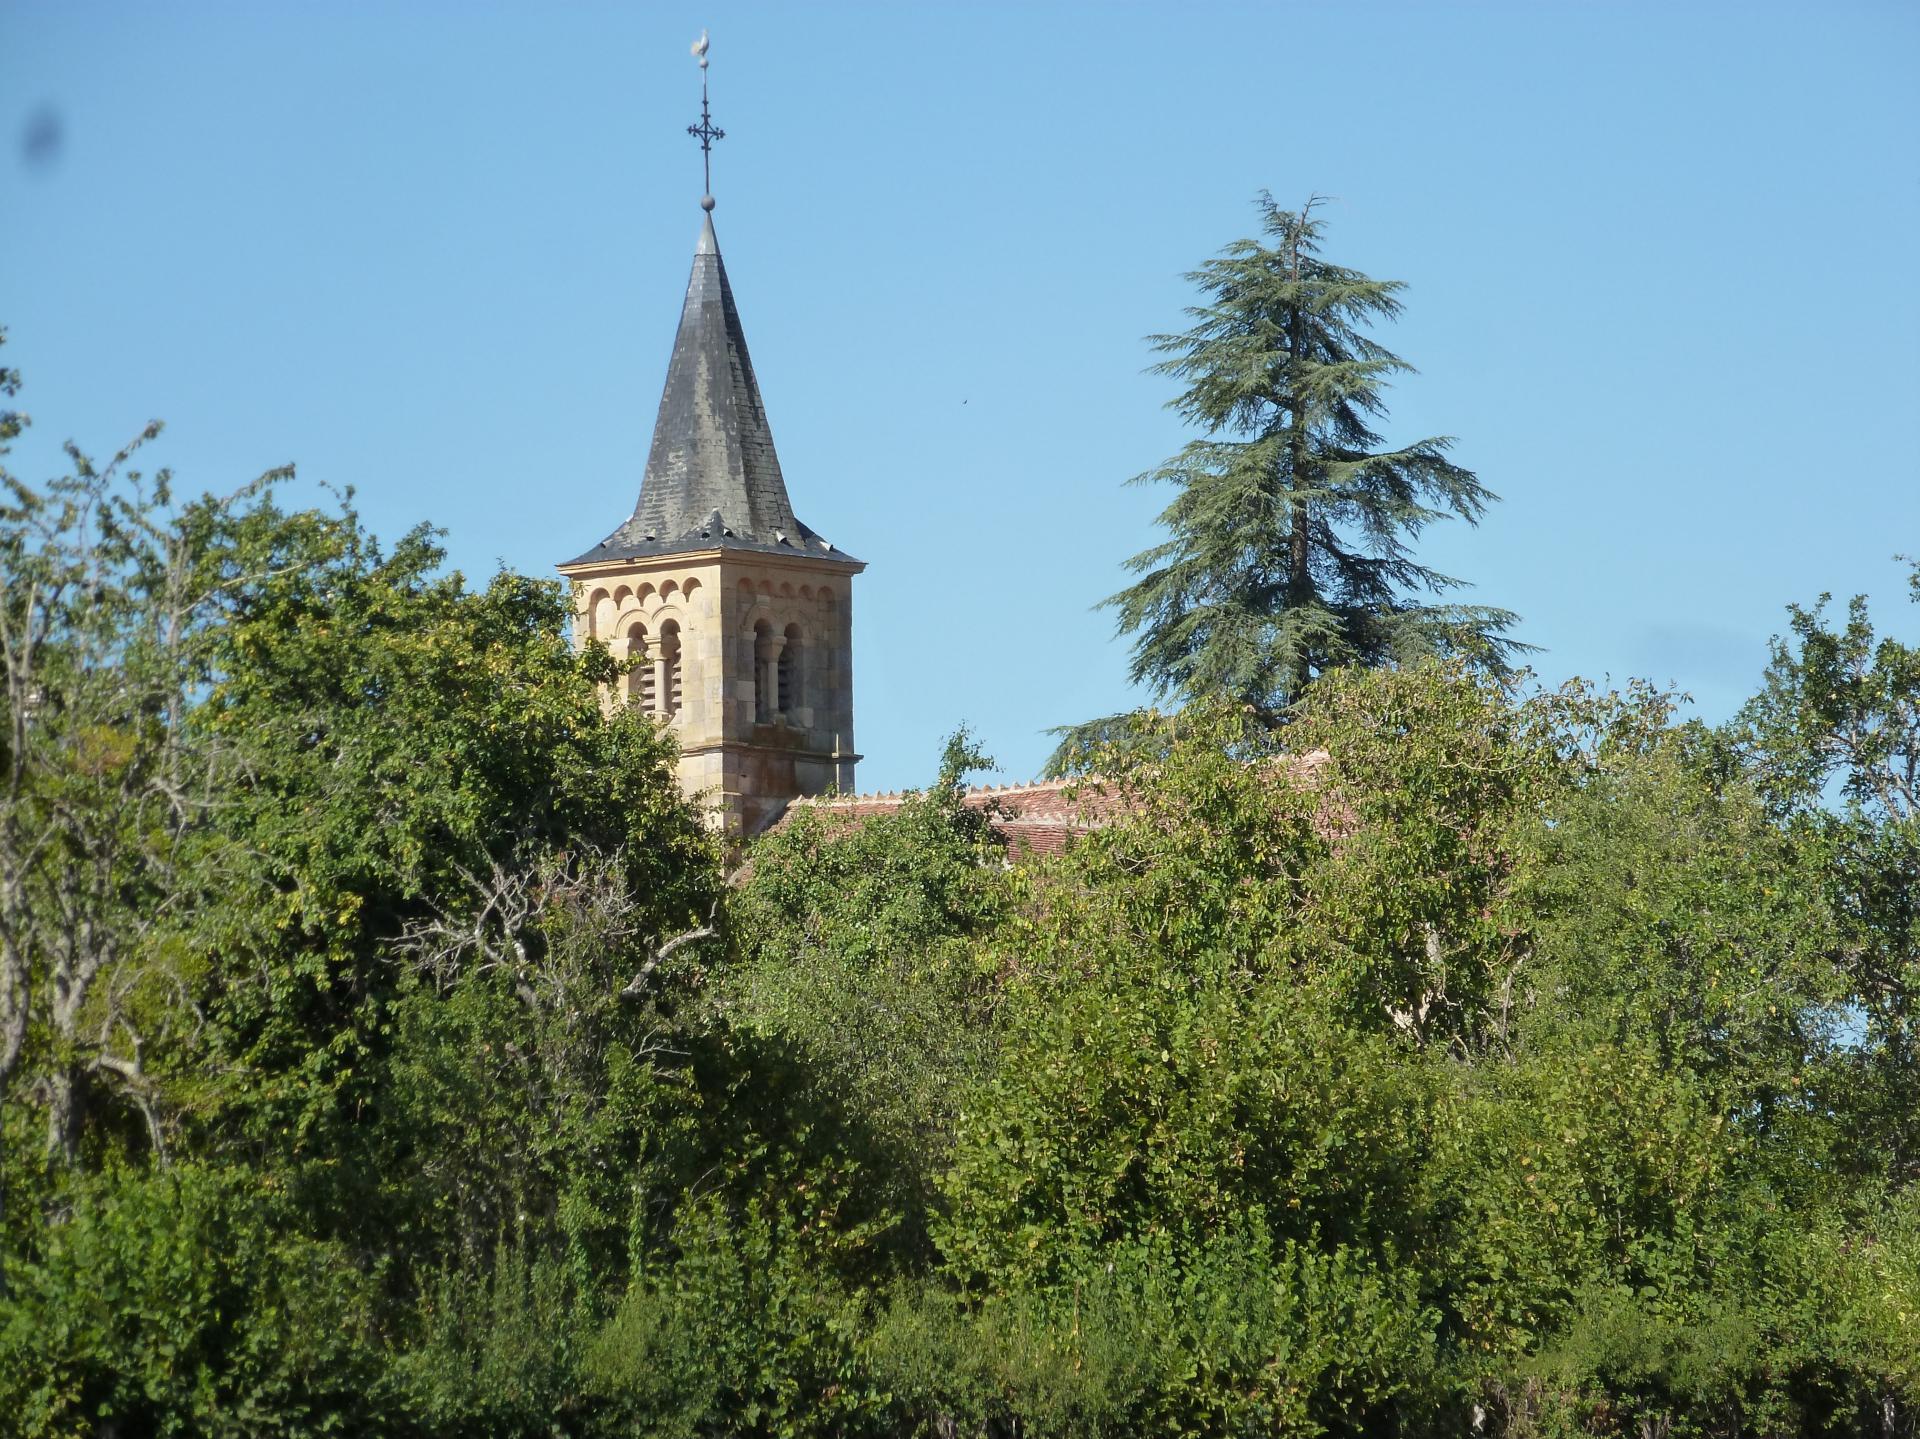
738, 616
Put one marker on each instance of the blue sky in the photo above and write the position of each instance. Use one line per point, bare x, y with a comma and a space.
1663, 271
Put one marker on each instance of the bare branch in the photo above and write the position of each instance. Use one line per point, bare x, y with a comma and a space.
665, 951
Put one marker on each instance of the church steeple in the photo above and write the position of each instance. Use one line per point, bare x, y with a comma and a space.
733, 621
713, 479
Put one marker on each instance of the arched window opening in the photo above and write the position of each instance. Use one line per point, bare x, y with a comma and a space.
762, 680
640, 687
668, 678
790, 672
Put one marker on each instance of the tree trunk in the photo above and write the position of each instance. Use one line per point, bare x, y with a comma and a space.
1299, 552
65, 1101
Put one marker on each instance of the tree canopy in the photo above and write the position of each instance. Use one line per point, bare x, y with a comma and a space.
389, 1048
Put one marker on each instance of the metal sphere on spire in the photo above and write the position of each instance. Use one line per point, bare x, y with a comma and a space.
706, 132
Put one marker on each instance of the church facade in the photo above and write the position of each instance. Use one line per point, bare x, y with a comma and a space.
737, 618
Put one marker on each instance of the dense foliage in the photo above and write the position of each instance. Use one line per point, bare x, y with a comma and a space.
387, 1048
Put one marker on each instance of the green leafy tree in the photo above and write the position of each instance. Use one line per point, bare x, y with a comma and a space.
382, 1052
330, 883
856, 941
188, 1301
446, 965
109, 603
1834, 737
1289, 546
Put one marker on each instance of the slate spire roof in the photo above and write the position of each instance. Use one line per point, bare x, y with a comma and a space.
713, 480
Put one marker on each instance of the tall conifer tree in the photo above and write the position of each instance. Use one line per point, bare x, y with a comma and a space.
1289, 545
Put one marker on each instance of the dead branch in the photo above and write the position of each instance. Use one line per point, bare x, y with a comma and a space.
666, 950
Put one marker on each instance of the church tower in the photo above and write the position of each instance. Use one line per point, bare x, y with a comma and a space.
738, 617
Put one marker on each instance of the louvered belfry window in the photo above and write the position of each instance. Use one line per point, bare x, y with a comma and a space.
763, 682
790, 671
640, 685
669, 678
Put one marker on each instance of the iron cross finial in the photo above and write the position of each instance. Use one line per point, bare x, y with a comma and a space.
706, 132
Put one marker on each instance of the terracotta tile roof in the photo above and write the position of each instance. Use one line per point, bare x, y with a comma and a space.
1040, 817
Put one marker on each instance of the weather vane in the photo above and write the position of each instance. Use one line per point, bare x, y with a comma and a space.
706, 132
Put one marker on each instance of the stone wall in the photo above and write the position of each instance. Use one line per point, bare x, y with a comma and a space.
758, 653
